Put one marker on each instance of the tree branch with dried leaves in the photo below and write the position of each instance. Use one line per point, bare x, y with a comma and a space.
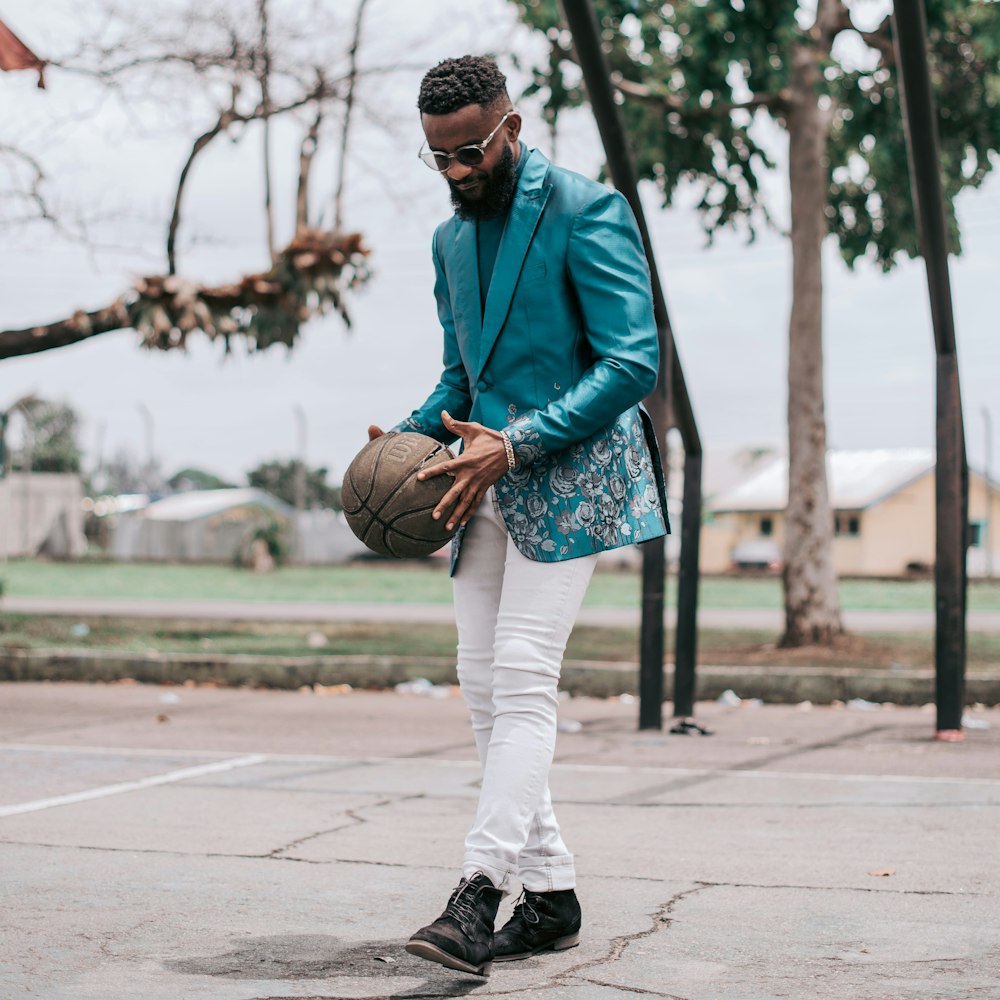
266, 77
309, 278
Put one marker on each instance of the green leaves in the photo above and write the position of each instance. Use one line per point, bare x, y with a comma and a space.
51, 443
697, 76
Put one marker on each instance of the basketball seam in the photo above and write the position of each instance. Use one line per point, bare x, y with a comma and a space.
373, 478
409, 473
391, 524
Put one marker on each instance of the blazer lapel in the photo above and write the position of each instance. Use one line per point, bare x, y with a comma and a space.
469, 301
529, 200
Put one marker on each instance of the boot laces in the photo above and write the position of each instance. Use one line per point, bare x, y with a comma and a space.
462, 905
525, 910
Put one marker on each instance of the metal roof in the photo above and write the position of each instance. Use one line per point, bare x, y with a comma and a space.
196, 504
857, 480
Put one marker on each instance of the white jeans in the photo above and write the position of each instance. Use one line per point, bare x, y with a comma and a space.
514, 616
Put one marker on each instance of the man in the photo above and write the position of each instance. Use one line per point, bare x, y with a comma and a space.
543, 295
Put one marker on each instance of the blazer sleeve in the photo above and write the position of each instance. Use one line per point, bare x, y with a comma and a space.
609, 274
452, 392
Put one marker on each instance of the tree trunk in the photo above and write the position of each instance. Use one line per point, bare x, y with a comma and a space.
352, 83
812, 610
265, 103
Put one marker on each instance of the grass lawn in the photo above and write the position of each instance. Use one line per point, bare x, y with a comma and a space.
729, 646
416, 583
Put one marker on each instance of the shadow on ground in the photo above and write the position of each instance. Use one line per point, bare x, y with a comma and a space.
322, 956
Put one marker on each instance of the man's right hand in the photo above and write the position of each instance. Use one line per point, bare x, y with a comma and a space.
374, 432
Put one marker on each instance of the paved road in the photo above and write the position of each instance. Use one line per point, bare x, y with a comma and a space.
212, 844
316, 611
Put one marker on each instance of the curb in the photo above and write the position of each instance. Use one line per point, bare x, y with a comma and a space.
597, 679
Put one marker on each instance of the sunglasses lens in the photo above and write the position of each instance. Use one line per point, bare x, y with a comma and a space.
434, 160
469, 156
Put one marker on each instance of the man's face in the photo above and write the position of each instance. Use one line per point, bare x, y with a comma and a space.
485, 190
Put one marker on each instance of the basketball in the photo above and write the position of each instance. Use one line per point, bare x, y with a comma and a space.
386, 506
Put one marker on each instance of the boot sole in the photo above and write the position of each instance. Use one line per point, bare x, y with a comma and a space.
560, 944
431, 952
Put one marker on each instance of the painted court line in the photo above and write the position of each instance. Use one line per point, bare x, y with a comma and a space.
86, 751
443, 762
132, 786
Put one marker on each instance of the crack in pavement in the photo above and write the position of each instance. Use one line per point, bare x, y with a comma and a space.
352, 814
223, 854
140, 850
755, 764
661, 919
700, 883
278, 851
841, 888
474, 784
839, 804
432, 753
632, 989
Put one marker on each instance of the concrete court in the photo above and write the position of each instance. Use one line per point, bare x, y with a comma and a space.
191, 843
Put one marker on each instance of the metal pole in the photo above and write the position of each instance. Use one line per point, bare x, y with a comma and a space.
4, 417
147, 418
987, 467
29, 446
582, 22
950, 582
651, 635
300, 472
686, 648
98, 480
5, 494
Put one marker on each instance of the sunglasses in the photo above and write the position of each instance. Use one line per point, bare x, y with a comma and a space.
468, 156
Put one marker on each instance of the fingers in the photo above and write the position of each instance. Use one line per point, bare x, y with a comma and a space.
374, 432
464, 511
459, 427
435, 470
460, 502
466, 501
447, 502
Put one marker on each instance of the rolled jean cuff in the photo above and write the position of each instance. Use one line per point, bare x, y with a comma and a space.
546, 872
494, 869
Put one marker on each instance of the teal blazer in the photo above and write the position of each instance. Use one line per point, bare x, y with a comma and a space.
560, 357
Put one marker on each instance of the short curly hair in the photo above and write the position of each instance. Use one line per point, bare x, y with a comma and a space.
455, 83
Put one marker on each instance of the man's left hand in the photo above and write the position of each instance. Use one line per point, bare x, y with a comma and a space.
483, 461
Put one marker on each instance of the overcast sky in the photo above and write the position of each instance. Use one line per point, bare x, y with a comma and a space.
729, 304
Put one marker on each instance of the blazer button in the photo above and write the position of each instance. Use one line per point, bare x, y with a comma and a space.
482, 385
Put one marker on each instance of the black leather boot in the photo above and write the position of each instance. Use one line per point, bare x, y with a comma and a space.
462, 937
542, 921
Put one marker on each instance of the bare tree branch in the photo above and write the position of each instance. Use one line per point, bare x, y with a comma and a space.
777, 101
310, 143
33, 193
225, 120
352, 80
879, 38
320, 91
830, 18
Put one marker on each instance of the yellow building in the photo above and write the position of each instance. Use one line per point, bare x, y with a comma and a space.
883, 505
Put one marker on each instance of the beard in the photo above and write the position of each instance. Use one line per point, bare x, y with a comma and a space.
497, 192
